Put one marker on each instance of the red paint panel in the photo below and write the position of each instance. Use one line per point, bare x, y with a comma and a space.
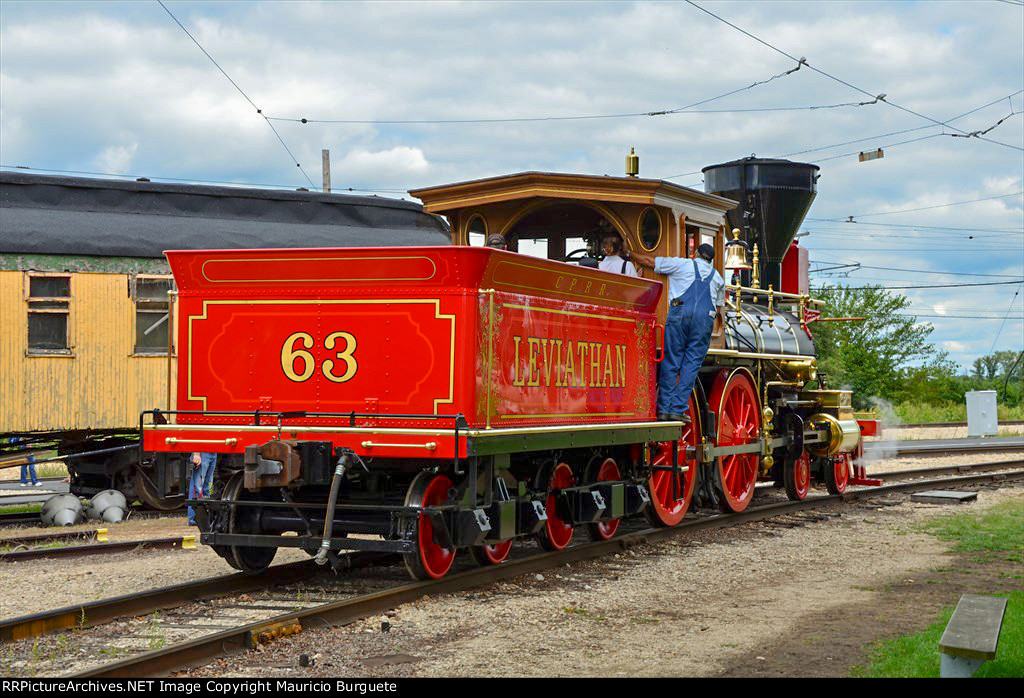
286, 330
558, 362
795, 270
327, 355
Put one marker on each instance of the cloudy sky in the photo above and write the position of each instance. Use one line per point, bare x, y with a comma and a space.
120, 88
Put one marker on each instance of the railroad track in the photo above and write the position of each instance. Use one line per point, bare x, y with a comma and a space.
37, 553
942, 447
288, 595
1006, 423
28, 518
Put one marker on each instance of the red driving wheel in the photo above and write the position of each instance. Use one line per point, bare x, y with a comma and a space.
837, 473
604, 530
491, 554
557, 533
797, 476
665, 509
734, 400
430, 560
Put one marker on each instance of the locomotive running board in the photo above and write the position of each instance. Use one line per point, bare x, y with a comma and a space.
486, 442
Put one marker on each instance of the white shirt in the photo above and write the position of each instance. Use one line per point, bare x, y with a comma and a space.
679, 271
614, 263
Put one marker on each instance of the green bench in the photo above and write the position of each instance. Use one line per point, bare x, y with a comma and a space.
971, 635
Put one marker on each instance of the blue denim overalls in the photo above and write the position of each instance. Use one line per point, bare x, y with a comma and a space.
691, 317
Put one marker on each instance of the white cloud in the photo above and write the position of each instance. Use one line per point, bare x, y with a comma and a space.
119, 87
116, 158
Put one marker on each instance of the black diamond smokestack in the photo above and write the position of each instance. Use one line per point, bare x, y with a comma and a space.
774, 196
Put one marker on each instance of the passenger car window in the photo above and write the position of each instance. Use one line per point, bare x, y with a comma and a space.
151, 314
49, 304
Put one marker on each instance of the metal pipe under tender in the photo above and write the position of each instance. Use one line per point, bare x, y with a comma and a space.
339, 473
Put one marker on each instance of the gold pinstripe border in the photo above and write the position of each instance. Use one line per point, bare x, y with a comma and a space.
314, 259
400, 301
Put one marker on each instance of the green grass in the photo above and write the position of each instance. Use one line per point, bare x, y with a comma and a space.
999, 528
22, 508
996, 533
917, 655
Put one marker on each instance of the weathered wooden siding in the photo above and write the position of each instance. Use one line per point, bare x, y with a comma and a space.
101, 385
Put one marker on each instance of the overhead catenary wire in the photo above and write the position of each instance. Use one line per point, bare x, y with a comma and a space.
241, 92
896, 133
881, 97
912, 225
937, 272
921, 208
1001, 326
875, 137
886, 288
688, 109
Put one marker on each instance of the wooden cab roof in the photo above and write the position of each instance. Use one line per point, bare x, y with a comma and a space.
503, 204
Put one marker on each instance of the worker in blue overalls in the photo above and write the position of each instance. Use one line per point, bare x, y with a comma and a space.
696, 291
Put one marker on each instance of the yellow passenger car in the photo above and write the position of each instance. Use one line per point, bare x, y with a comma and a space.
86, 310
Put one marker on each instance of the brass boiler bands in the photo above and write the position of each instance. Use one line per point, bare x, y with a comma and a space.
754, 329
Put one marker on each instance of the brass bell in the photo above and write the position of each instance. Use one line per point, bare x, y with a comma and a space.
736, 252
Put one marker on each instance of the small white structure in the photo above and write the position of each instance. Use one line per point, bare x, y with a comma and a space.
982, 418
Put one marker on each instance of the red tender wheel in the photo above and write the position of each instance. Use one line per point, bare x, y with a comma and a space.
837, 474
604, 530
491, 554
665, 510
797, 477
557, 533
430, 560
734, 399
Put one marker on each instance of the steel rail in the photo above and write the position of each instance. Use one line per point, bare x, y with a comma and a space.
1007, 423
946, 446
49, 537
948, 470
98, 548
32, 517
204, 649
95, 613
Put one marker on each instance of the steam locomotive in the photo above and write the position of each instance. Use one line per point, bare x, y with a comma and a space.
430, 400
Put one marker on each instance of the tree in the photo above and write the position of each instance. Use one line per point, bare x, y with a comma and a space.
993, 365
886, 355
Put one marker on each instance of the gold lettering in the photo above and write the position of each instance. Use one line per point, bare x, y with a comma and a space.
620, 359
558, 282
559, 368
570, 365
547, 359
516, 378
289, 353
582, 348
534, 343
595, 365
607, 377
572, 284
587, 288
350, 361
600, 291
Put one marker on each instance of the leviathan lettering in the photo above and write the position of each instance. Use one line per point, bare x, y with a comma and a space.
545, 361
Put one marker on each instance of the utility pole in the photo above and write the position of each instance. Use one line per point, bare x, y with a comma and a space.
327, 170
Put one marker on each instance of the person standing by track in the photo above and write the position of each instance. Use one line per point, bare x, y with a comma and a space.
201, 482
696, 291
